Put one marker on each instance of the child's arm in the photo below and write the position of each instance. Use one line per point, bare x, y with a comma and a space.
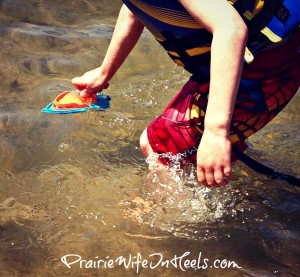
228, 46
127, 31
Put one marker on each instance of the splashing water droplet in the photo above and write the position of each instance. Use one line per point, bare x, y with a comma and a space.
173, 200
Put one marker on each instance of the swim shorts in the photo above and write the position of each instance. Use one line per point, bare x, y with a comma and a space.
266, 86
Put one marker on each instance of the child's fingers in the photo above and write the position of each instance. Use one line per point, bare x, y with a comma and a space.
84, 93
78, 83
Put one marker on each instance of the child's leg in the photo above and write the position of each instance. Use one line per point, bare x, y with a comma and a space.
145, 145
177, 130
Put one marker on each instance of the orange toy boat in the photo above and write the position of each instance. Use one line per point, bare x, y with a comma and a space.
72, 102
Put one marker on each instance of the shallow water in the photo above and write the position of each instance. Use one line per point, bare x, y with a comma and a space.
78, 184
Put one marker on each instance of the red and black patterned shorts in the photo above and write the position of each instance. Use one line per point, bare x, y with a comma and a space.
267, 85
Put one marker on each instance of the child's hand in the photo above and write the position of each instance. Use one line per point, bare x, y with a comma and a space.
90, 82
214, 159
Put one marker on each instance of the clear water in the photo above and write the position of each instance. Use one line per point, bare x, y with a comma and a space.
78, 184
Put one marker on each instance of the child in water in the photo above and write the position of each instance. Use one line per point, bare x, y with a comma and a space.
249, 72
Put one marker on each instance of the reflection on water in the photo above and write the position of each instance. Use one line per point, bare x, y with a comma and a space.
79, 184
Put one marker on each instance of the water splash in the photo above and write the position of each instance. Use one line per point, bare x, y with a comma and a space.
173, 200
